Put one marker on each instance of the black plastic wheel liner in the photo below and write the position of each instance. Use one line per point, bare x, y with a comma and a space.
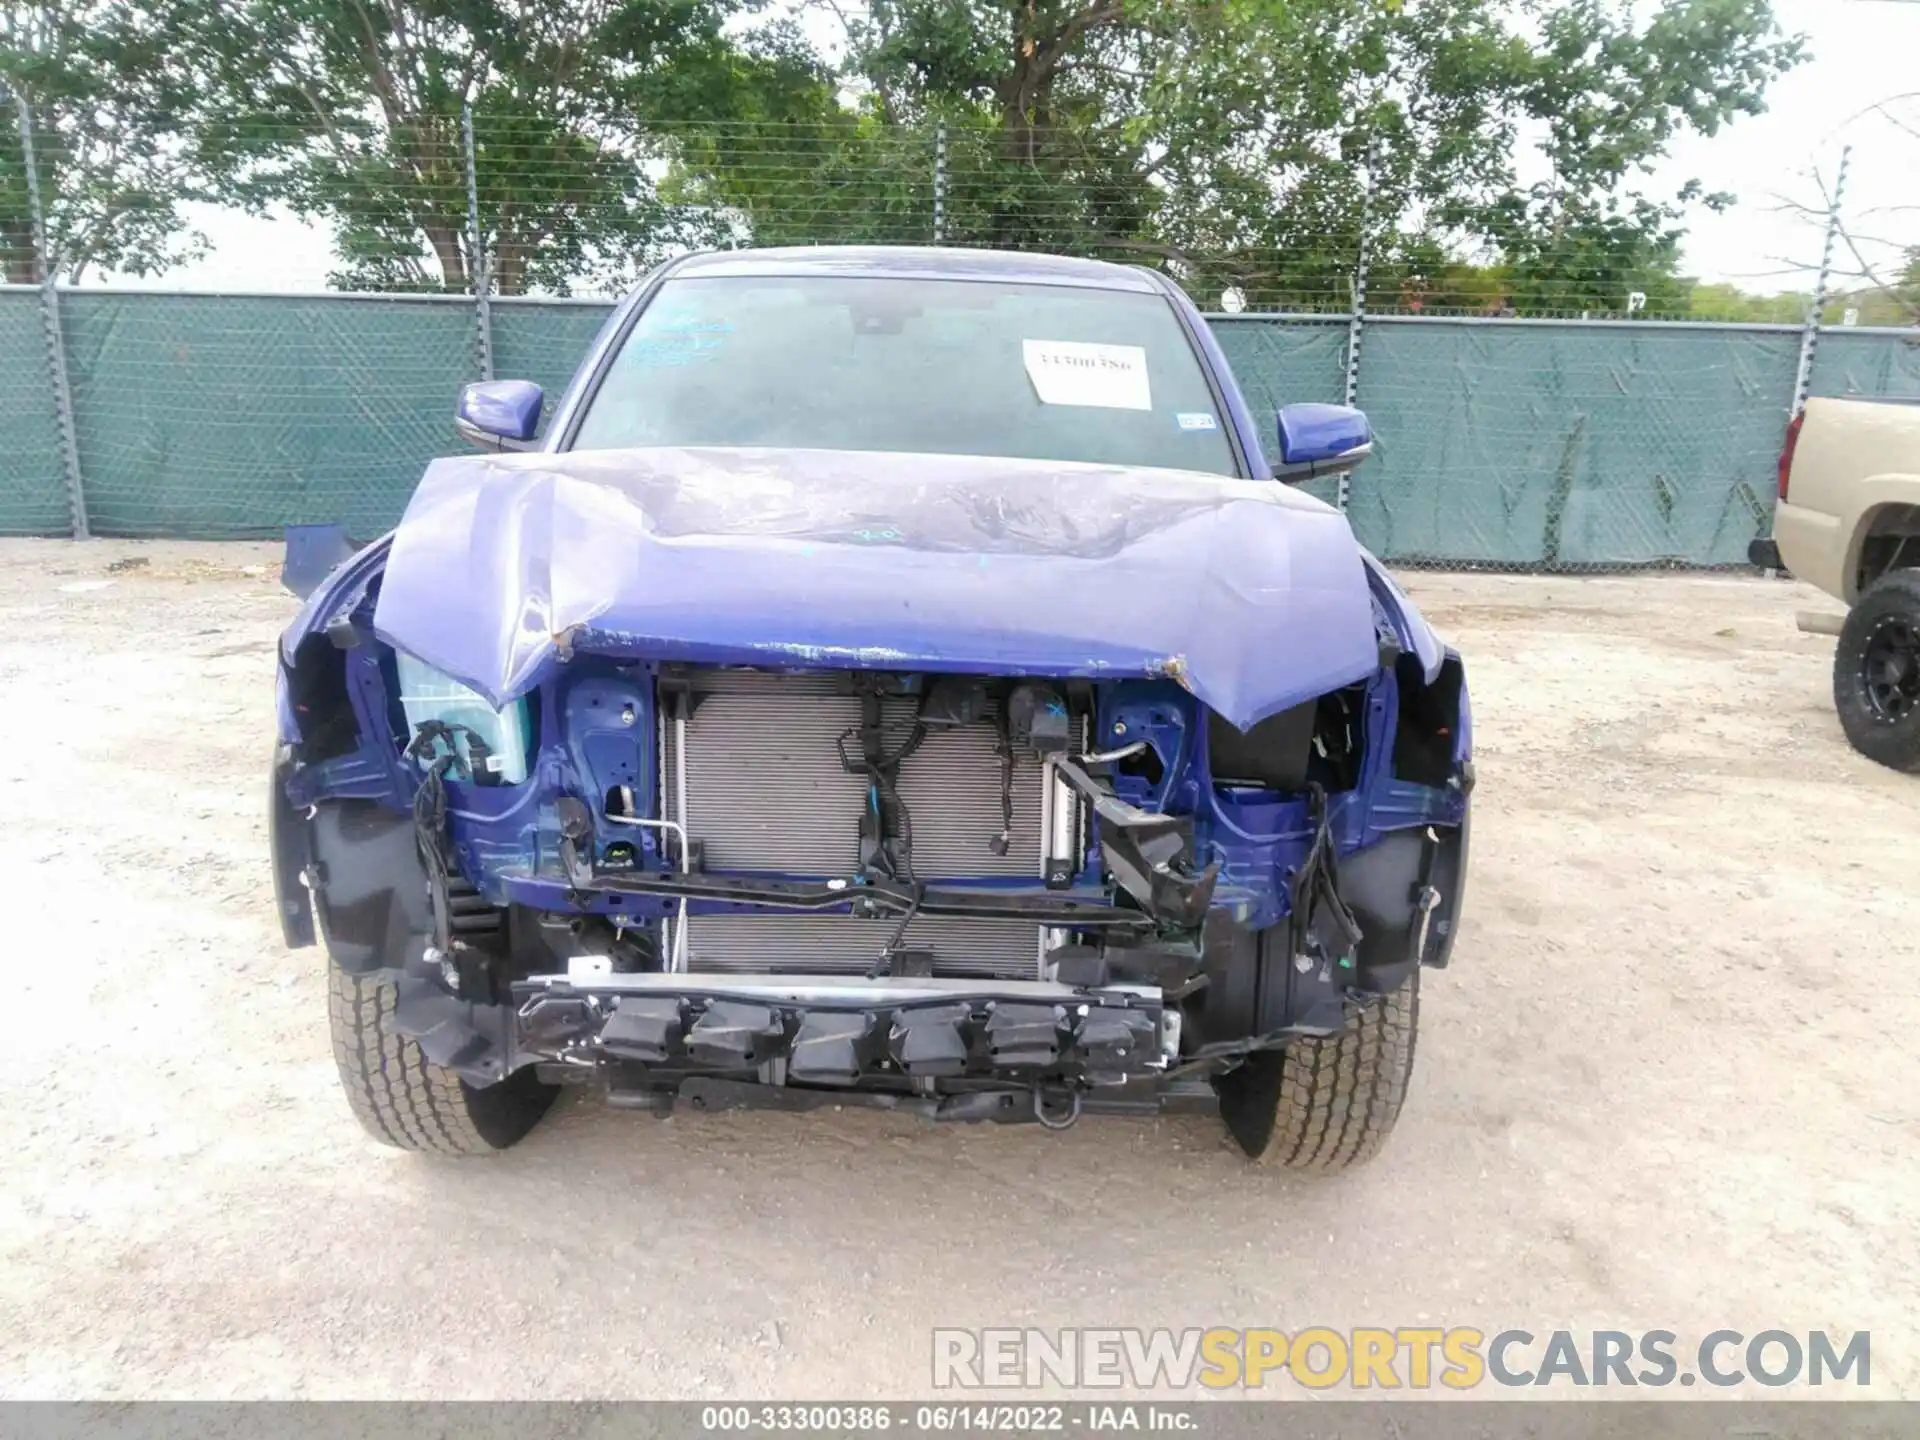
370, 888
287, 843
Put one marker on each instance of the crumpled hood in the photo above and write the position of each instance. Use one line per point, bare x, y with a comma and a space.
1252, 595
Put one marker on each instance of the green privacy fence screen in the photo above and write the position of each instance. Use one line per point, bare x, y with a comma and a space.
1570, 448
1537, 444
1867, 365
1285, 362
225, 416
33, 489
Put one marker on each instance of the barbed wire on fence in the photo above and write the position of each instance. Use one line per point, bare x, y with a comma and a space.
1506, 439
567, 210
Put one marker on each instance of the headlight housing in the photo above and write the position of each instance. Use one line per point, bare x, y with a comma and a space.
430, 694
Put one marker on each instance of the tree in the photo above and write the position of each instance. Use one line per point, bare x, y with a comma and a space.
846, 177
1613, 96
1441, 100
1883, 269
1233, 143
1243, 143
104, 96
351, 112
1729, 302
1905, 291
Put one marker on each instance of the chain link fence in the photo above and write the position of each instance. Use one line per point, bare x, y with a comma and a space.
33, 495
1532, 413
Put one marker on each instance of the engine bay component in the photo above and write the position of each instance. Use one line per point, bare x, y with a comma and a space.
955, 700
490, 744
1151, 855
766, 788
1037, 719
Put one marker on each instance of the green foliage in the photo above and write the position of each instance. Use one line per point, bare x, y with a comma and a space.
1245, 143
1230, 142
1894, 304
1899, 303
353, 114
847, 178
106, 94
1728, 302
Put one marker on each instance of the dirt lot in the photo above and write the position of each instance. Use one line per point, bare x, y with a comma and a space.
1669, 1082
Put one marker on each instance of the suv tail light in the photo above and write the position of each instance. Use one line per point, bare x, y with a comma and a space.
1786, 454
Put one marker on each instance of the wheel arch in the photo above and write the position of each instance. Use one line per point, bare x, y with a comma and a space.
1886, 535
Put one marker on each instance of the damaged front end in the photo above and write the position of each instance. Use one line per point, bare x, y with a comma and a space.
619, 812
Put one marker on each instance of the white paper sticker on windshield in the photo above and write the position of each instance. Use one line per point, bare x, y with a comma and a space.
1068, 372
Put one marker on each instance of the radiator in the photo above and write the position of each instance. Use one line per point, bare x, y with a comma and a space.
765, 791
844, 945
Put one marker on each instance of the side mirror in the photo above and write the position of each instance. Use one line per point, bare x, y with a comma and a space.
499, 414
1318, 440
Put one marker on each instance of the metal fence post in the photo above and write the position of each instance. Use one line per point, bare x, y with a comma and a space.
477, 250
939, 182
56, 339
1810, 334
1357, 319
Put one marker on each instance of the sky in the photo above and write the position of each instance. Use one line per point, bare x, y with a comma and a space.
1863, 51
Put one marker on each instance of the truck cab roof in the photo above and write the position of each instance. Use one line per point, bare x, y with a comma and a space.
919, 263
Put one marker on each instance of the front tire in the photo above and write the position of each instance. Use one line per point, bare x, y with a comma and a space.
1324, 1106
404, 1100
1876, 672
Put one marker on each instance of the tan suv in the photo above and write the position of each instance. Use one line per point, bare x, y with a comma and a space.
1848, 522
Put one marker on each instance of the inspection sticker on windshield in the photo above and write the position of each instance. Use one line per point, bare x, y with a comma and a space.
1069, 372
1196, 420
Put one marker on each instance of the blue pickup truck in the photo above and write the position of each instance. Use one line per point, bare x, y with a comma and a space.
888, 677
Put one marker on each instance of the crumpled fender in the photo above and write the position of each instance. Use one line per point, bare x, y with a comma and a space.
1410, 627
1252, 595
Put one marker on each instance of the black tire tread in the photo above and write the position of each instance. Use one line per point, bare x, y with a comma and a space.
1896, 746
399, 1097
1340, 1096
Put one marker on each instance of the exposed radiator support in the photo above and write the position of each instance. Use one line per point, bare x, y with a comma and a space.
1064, 852
673, 804
751, 766
680, 948
766, 792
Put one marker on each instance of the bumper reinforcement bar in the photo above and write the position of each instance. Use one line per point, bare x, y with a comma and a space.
841, 1031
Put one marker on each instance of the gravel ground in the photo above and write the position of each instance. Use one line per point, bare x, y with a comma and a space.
1668, 1082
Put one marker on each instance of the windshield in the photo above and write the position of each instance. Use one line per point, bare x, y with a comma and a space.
1039, 372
